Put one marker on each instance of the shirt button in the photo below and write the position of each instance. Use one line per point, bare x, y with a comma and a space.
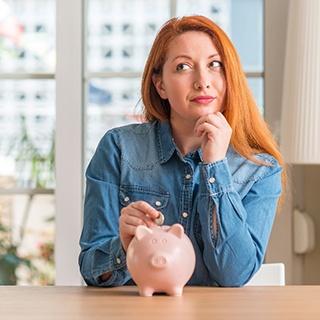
158, 203
188, 176
185, 214
126, 199
212, 180
118, 260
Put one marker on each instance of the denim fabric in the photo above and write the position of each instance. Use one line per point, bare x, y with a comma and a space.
141, 162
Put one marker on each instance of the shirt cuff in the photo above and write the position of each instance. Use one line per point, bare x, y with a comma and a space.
117, 262
217, 178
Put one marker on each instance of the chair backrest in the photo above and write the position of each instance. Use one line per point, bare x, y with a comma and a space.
270, 274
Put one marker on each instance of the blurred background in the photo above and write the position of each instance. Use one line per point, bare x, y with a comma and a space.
102, 46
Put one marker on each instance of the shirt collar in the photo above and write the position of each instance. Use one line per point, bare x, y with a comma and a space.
166, 145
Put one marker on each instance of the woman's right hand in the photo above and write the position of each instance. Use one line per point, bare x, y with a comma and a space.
135, 214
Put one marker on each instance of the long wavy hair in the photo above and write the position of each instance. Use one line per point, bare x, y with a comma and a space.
250, 133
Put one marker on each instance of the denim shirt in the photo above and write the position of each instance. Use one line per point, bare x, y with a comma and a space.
141, 162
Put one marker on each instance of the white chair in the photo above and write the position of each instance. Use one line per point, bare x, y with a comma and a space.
270, 274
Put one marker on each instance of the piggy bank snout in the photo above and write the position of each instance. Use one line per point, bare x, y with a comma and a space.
159, 261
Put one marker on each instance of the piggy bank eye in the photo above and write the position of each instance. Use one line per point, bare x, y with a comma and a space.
153, 241
164, 240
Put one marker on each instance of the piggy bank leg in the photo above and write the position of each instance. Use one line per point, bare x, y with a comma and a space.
175, 291
146, 291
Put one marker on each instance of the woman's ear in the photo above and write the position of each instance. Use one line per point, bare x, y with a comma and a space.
158, 83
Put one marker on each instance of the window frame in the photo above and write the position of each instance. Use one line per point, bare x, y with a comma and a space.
69, 139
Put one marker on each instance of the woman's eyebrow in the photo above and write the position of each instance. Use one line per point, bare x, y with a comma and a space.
181, 56
190, 58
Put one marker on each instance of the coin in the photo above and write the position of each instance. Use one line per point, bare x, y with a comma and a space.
160, 220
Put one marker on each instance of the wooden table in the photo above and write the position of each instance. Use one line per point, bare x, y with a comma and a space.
198, 303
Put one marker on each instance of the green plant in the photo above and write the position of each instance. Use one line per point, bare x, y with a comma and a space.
38, 267
30, 158
39, 165
45, 275
9, 258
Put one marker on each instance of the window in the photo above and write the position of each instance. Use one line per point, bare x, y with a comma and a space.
27, 121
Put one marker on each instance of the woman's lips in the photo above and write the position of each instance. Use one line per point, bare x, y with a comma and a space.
203, 99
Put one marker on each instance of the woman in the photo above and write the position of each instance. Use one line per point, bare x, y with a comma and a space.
204, 158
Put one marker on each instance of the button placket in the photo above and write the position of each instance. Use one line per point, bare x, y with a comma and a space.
187, 196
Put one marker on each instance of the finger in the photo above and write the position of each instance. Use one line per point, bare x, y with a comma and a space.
203, 123
140, 213
211, 122
216, 119
146, 209
200, 121
133, 220
206, 127
128, 223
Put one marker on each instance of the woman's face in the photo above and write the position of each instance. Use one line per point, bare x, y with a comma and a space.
193, 78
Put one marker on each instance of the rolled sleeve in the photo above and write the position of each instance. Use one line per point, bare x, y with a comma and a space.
244, 222
101, 248
98, 261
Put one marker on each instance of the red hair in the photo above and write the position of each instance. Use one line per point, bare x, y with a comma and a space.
250, 133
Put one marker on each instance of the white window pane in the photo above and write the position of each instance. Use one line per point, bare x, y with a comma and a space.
247, 33
242, 20
121, 32
27, 35
257, 88
27, 120
111, 102
218, 11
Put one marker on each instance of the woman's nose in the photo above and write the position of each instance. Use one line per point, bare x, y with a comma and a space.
201, 85
201, 81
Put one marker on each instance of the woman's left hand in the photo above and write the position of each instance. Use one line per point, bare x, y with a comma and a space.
216, 133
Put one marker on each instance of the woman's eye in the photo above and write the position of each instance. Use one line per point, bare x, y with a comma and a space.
215, 64
182, 66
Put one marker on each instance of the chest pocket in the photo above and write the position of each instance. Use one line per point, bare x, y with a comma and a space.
129, 194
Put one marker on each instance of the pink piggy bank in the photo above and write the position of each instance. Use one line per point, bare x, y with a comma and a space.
161, 259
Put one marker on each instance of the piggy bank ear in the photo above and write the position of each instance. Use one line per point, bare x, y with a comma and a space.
177, 230
142, 231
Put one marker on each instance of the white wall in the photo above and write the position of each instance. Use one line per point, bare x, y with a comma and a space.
280, 244
312, 206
